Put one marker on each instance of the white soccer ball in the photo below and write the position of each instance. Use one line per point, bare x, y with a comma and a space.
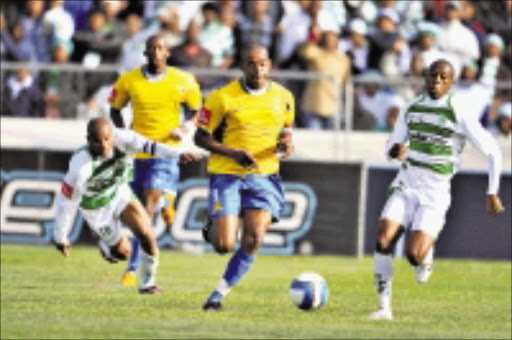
309, 291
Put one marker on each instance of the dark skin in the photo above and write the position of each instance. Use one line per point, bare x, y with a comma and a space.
157, 53
256, 67
440, 78
100, 139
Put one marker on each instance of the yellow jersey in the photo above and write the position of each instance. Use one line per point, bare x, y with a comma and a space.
156, 103
244, 120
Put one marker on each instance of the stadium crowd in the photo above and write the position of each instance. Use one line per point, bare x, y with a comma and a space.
374, 40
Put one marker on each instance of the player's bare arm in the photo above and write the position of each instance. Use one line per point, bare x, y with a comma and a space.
205, 140
285, 143
117, 118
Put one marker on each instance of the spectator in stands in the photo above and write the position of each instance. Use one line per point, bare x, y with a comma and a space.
216, 38
356, 47
496, 16
384, 38
454, 38
132, 51
3, 48
17, 47
97, 46
35, 31
383, 106
79, 10
294, 29
427, 49
227, 15
22, 97
397, 61
364, 9
255, 29
170, 26
492, 67
113, 25
61, 94
60, 24
474, 91
502, 126
190, 53
411, 90
274, 10
320, 101
321, 17
468, 18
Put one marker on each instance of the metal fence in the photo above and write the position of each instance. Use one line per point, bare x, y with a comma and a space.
80, 85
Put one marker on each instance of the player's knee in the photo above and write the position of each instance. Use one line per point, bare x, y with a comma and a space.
224, 246
415, 257
121, 252
253, 241
384, 245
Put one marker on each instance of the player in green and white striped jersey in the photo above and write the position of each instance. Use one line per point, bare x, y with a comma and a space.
97, 184
428, 139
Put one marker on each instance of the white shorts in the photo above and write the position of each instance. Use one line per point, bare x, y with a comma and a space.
411, 209
106, 221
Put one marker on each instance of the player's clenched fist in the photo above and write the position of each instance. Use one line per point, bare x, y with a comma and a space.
494, 205
245, 159
188, 157
398, 151
63, 248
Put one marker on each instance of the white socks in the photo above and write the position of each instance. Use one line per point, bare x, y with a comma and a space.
383, 276
423, 271
223, 287
149, 267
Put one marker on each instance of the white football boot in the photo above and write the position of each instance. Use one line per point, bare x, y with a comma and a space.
423, 272
382, 314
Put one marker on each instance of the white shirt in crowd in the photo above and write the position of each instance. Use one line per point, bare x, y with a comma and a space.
379, 104
457, 39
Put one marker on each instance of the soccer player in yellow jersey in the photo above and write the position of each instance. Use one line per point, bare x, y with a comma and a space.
156, 92
244, 124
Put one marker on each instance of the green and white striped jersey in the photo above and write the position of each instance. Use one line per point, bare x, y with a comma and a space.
91, 183
437, 131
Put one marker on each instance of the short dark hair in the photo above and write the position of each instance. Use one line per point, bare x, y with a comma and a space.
210, 6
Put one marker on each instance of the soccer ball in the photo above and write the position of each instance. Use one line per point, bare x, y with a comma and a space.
309, 291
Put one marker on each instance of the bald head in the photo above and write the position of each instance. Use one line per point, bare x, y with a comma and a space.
157, 53
100, 137
440, 78
256, 65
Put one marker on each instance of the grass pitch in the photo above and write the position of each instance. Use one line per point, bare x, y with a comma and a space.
44, 295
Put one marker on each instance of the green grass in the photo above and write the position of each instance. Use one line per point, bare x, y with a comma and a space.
44, 295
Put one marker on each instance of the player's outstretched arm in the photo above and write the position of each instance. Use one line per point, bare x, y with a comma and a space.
205, 140
66, 210
116, 117
132, 142
485, 143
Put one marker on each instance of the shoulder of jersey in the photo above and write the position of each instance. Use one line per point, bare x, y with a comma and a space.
80, 157
176, 72
232, 87
281, 89
132, 72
